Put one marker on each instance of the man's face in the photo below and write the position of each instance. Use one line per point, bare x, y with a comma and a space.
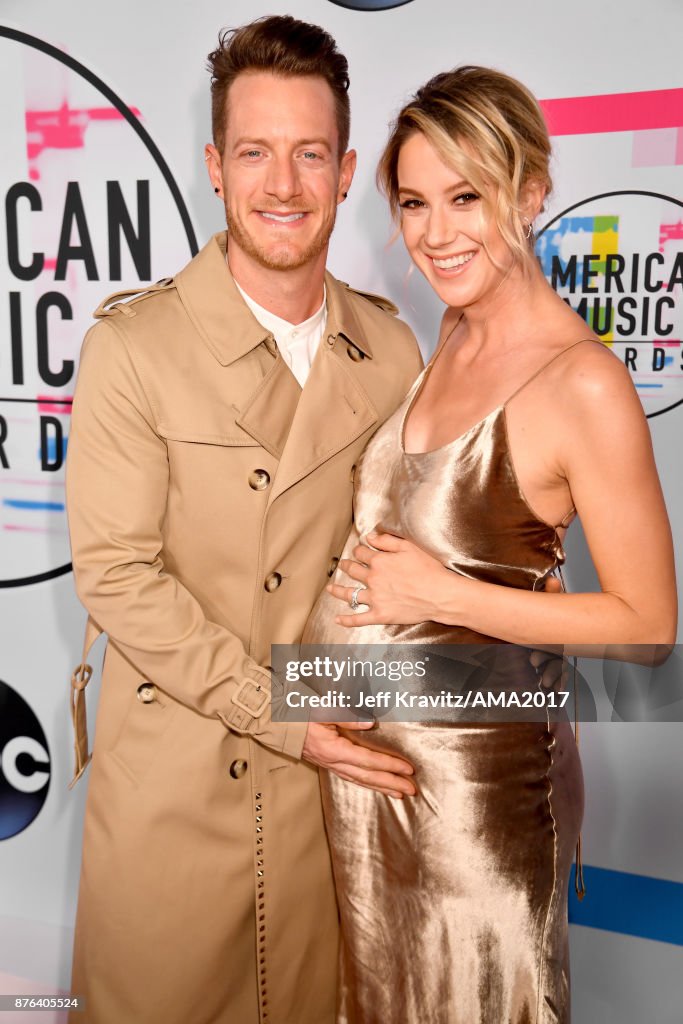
280, 175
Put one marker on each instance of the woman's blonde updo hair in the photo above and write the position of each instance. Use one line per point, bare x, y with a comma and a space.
488, 126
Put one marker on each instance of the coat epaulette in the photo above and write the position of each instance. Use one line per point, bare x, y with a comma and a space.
116, 303
377, 300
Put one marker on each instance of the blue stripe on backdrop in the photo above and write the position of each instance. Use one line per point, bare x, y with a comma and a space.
615, 901
50, 506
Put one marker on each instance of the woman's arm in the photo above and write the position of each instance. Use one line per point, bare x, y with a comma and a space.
606, 454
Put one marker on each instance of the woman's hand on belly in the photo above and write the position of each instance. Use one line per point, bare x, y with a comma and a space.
402, 584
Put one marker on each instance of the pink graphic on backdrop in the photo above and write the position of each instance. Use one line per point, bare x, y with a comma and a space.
655, 118
64, 128
655, 148
670, 233
47, 404
615, 112
679, 148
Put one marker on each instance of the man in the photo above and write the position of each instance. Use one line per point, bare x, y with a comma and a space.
209, 497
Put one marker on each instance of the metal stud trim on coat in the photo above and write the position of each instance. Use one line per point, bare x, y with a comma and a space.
260, 905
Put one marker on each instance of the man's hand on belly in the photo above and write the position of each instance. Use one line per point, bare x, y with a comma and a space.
325, 747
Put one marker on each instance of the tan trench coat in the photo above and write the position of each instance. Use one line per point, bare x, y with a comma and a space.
208, 500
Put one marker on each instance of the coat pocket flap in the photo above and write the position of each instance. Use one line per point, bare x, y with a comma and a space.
233, 436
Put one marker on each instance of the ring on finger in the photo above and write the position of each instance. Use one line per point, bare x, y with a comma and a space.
354, 602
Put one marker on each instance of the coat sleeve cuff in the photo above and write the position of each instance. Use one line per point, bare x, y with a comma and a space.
249, 711
295, 735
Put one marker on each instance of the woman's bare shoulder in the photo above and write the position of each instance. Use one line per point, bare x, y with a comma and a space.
594, 372
589, 369
595, 406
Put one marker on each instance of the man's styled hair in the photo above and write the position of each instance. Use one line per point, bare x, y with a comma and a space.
283, 46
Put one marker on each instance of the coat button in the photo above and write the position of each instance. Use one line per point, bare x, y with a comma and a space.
272, 582
334, 562
259, 480
147, 693
238, 768
354, 353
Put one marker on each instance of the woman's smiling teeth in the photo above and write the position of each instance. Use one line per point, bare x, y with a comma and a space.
282, 218
453, 261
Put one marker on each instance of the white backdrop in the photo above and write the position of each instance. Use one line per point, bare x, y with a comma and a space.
627, 952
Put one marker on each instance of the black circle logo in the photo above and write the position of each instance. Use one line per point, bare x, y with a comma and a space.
90, 207
24, 764
370, 5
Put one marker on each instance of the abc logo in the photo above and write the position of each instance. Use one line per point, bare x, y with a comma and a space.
24, 764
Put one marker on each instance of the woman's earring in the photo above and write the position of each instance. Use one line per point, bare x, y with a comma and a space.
530, 227
345, 194
217, 190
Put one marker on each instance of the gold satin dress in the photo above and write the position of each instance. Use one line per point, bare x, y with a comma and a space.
453, 903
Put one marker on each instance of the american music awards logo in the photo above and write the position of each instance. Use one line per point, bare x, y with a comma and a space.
90, 207
24, 764
616, 253
617, 259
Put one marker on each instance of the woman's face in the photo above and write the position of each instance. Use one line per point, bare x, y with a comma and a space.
444, 227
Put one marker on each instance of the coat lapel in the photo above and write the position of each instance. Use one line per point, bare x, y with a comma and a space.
268, 412
302, 429
231, 332
334, 408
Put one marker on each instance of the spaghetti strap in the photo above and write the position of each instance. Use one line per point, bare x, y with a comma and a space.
421, 379
426, 369
564, 521
545, 367
437, 350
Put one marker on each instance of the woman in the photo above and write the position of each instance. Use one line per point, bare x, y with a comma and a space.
453, 903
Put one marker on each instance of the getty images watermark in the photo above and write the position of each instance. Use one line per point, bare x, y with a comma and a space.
453, 683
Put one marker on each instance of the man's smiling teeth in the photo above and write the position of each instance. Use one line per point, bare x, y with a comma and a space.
454, 261
282, 219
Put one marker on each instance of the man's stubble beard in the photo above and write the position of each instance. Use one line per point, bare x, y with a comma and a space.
284, 259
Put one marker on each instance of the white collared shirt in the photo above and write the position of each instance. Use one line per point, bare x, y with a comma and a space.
298, 343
